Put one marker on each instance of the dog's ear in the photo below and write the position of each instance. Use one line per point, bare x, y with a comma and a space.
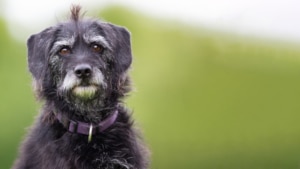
122, 49
38, 51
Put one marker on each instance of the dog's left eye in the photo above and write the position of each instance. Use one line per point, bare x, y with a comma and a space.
97, 48
64, 51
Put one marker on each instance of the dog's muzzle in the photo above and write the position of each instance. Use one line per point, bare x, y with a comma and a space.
83, 81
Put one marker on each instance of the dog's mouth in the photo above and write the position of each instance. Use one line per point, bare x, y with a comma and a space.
83, 88
85, 92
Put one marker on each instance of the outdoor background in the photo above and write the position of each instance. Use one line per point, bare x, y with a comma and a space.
204, 98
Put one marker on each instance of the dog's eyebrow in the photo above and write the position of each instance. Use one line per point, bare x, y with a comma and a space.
96, 39
63, 42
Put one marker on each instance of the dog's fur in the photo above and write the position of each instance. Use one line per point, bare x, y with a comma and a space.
53, 56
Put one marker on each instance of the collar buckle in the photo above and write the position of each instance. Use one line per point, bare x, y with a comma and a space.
90, 133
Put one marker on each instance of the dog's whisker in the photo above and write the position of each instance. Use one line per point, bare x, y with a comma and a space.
63, 42
98, 78
70, 81
98, 39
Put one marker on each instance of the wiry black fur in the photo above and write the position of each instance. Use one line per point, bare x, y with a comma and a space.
49, 145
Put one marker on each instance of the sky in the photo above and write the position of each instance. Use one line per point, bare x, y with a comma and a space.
270, 18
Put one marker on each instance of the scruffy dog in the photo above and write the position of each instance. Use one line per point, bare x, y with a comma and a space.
79, 69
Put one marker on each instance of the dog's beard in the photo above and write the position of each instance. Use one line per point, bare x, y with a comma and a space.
84, 93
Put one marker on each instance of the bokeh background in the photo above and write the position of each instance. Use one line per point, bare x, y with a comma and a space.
205, 96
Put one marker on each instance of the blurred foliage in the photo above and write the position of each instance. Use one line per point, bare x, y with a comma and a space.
17, 106
204, 99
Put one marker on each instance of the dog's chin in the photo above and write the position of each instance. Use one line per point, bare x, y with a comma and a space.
85, 92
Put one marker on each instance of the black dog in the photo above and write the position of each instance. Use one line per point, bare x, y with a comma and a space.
79, 69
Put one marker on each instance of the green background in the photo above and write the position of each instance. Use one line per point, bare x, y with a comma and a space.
203, 98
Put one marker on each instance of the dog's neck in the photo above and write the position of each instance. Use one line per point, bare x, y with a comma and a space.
95, 115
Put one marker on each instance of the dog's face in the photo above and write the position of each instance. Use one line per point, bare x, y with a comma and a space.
81, 61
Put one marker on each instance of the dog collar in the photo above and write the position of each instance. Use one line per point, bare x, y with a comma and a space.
87, 128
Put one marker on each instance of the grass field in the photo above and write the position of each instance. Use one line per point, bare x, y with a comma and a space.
204, 99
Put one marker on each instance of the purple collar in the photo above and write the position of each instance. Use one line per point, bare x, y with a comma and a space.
87, 128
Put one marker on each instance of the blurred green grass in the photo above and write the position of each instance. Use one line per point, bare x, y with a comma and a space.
204, 99
17, 106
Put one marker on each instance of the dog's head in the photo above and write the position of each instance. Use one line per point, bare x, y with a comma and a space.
80, 60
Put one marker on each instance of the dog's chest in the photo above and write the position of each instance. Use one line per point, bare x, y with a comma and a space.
97, 155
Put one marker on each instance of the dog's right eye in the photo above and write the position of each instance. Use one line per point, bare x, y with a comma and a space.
97, 48
64, 50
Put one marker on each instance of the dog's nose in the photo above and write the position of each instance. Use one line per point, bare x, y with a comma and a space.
83, 71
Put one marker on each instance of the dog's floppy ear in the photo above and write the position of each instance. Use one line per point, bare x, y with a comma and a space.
38, 50
122, 49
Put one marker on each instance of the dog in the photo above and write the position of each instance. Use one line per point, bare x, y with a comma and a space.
80, 72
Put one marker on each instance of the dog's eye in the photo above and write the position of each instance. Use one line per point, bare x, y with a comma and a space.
64, 51
97, 48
